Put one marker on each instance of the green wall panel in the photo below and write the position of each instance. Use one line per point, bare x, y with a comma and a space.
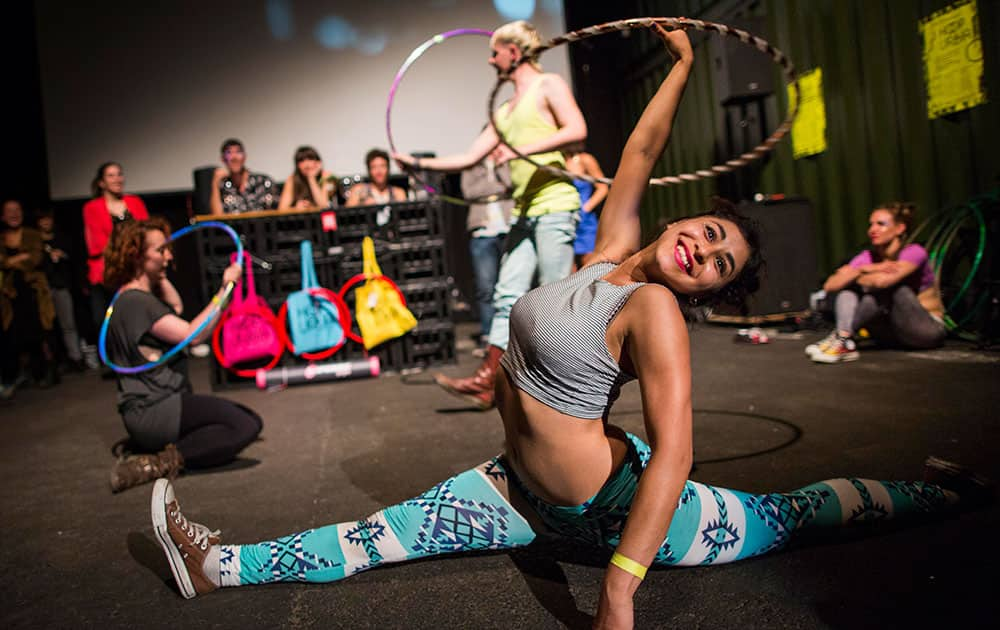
881, 145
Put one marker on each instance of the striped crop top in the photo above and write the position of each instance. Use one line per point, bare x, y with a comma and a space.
557, 351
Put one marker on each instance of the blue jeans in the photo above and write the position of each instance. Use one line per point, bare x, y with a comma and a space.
545, 247
486, 252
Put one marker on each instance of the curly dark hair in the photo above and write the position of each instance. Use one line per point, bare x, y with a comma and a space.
747, 282
124, 253
375, 153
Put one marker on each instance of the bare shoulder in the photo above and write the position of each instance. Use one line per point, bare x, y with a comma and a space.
552, 82
652, 310
655, 296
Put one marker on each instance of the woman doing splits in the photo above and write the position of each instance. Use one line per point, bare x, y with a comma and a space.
573, 343
158, 406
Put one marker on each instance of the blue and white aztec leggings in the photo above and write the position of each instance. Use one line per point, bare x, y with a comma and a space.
471, 511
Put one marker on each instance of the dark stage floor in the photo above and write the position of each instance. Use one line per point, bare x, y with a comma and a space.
766, 418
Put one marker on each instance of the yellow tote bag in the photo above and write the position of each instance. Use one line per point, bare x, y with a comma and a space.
379, 306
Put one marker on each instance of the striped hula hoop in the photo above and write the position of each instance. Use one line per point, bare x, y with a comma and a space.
728, 166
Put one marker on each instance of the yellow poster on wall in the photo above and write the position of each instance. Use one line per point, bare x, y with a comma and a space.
809, 127
953, 59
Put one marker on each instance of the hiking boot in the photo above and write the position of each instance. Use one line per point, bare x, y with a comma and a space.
821, 345
973, 489
133, 470
478, 388
839, 350
185, 543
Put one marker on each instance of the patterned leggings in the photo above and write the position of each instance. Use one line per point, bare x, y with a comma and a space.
471, 511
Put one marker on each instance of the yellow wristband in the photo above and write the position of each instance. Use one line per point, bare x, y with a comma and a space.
628, 565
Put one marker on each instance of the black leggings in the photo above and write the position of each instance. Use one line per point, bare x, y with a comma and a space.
213, 430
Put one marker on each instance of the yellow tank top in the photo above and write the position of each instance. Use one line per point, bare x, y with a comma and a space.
535, 191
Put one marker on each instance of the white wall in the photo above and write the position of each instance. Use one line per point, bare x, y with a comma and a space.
158, 86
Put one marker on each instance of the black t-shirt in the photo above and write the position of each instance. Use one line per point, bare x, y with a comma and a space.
60, 274
134, 314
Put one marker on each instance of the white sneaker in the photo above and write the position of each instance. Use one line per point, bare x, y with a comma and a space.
821, 345
201, 350
840, 350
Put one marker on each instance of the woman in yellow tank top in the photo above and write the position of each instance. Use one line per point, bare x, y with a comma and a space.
541, 117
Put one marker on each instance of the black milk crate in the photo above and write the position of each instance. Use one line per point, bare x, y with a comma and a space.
403, 261
283, 278
389, 221
286, 231
263, 236
432, 342
428, 299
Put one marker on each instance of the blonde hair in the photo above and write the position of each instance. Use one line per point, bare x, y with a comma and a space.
523, 35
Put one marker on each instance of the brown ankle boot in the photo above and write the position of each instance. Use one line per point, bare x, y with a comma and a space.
135, 470
478, 388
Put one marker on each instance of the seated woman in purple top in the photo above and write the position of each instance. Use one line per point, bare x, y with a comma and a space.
888, 288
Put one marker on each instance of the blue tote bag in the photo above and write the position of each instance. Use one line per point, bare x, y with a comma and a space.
313, 318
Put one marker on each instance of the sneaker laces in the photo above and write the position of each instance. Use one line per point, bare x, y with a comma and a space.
197, 532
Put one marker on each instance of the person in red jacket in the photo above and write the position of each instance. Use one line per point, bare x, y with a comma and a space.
109, 207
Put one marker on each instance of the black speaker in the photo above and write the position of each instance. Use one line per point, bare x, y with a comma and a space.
741, 72
201, 199
788, 244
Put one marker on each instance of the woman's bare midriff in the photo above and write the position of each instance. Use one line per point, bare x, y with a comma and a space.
562, 459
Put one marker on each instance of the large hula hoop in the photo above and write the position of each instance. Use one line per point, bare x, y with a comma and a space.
729, 166
416, 54
216, 303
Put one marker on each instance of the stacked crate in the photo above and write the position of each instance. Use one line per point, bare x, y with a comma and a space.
410, 249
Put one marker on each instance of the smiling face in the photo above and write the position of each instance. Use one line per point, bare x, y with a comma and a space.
156, 256
13, 214
309, 167
883, 228
113, 180
234, 157
699, 256
378, 171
